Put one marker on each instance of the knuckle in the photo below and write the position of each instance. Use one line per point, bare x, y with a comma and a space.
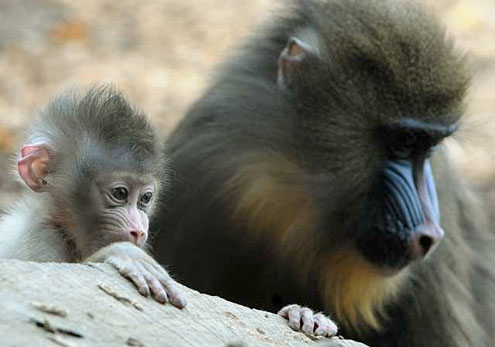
319, 316
148, 277
292, 307
169, 284
111, 260
306, 312
126, 270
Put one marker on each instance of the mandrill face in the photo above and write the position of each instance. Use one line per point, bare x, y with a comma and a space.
368, 118
404, 223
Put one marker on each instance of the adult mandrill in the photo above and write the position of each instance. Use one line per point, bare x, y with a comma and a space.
306, 174
93, 165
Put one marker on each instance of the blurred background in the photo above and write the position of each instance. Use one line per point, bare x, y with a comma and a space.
161, 54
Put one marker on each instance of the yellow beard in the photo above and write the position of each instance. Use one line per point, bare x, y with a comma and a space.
270, 201
356, 290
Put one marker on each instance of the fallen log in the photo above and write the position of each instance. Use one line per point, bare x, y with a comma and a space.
53, 304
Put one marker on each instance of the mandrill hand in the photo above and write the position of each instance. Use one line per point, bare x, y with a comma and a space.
305, 320
135, 264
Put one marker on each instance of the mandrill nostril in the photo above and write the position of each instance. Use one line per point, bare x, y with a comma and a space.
425, 242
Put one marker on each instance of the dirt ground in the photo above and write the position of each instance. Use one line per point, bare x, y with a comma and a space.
161, 54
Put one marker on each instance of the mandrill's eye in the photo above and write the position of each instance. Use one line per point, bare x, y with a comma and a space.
146, 198
404, 146
120, 193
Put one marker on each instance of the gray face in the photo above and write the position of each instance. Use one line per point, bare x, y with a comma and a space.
126, 202
114, 206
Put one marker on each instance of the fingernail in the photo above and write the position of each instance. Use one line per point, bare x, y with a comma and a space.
320, 331
180, 302
307, 328
163, 298
295, 326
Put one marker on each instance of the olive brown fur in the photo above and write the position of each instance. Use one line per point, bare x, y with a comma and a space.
279, 178
112, 132
92, 164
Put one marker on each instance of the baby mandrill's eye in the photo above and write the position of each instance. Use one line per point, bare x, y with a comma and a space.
120, 193
146, 198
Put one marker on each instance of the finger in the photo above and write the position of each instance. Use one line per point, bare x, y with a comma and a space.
307, 320
295, 319
161, 270
284, 312
129, 271
332, 328
321, 331
175, 296
157, 289
326, 327
137, 278
155, 286
319, 320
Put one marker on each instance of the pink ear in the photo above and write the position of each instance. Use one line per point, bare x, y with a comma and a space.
32, 166
291, 59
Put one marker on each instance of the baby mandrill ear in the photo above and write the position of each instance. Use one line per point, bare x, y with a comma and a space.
32, 166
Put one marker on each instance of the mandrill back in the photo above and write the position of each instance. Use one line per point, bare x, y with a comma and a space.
313, 171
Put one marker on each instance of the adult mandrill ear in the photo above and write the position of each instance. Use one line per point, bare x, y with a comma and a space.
32, 166
293, 61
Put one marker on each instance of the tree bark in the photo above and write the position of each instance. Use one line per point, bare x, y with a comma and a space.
52, 304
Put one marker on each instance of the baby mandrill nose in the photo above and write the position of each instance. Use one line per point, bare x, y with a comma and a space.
137, 237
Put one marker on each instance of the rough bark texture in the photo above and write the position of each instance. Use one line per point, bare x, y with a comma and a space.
51, 304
